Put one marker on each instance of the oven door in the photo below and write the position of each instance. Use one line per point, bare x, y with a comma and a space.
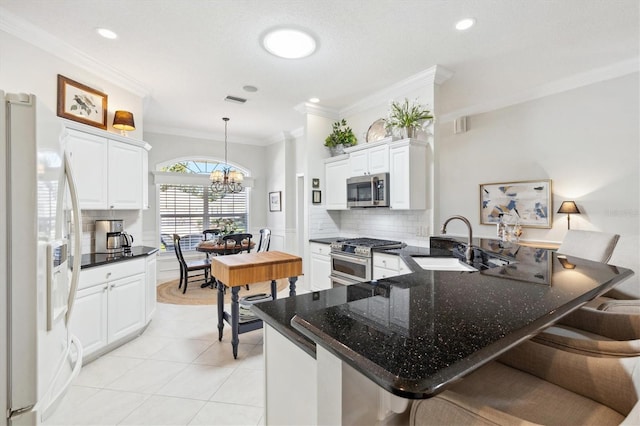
341, 281
351, 267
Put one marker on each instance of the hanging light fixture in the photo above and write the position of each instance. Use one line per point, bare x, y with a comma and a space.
226, 181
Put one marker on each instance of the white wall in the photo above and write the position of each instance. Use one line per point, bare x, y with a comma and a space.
248, 157
585, 140
26, 68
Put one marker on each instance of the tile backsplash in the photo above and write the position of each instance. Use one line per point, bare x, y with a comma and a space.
132, 224
409, 226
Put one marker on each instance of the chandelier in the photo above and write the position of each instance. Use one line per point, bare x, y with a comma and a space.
226, 181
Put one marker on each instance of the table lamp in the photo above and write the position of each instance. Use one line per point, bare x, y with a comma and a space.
568, 207
123, 121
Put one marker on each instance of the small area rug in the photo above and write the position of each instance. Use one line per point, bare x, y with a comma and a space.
169, 293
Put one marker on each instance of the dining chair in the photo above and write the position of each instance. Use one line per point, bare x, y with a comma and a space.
237, 247
210, 234
265, 240
233, 243
197, 268
538, 384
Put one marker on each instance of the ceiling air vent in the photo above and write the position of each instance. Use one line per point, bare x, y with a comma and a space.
235, 99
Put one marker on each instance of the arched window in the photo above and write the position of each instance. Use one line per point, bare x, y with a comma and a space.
188, 205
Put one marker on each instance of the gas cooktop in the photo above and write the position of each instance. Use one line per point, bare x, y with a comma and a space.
364, 246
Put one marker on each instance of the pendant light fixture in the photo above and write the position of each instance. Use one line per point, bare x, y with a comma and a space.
226, 181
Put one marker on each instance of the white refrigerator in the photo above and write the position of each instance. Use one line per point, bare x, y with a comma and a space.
39, 224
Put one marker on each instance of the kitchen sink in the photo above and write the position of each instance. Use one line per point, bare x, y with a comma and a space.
442, 264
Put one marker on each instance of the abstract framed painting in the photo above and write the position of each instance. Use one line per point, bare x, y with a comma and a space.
528, 201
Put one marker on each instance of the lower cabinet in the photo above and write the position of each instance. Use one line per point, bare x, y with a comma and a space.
151, 291
388, 265
320, 267
110, 305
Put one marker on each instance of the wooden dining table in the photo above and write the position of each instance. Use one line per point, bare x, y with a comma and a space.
247, 268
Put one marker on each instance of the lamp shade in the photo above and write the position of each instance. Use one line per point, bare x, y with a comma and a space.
568, 207
123, 120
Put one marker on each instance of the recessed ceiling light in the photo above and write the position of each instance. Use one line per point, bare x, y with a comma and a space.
106, 33
251, 89
314, 100
289, 43
465, 24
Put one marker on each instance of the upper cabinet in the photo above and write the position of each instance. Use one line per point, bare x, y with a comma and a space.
408, 175
109, 174
336, 174
368, 160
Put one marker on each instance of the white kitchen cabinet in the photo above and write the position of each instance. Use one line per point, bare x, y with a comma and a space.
126, 307
109, 173
110, 305
336, 174
151, 291
88, 155
408, 175
125, 180
388, 265
320, 267
145, 179
89, 317
369, 161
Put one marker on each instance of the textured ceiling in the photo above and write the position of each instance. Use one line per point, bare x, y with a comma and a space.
190, 54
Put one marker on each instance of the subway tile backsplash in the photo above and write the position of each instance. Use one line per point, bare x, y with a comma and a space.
132, 224
409, 226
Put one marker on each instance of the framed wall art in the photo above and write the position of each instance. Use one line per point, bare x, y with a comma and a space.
527, 201
315, 183
81, 103
275, 202
316, 197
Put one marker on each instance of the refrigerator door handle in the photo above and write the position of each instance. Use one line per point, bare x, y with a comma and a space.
77, 230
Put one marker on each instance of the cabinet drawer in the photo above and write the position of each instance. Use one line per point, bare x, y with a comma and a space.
323, 249
380, 273
387, 261
99, 274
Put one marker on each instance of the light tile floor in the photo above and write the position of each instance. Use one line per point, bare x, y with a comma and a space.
176, 373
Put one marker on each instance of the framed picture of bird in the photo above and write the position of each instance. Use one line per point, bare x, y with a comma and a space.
81, 103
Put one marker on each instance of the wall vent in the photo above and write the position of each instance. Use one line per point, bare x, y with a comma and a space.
235, 99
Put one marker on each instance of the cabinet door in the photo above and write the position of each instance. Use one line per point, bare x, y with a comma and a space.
150, 278
88, 154
89, 317
336, 174
125, 181
320, 267
378, 161
145, 179
408, 177
126, 306
358, 163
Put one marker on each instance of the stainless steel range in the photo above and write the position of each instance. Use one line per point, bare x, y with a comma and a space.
352, 260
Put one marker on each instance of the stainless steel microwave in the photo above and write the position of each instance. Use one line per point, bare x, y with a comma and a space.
368, 191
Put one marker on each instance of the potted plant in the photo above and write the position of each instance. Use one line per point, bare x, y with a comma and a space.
407, 117
340, 137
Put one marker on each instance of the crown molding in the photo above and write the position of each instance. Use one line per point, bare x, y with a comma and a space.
587, 78
433, 75
315, 109
195, 134
28, 32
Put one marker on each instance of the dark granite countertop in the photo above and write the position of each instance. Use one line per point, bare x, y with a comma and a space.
414, 334
326, 240
97, 259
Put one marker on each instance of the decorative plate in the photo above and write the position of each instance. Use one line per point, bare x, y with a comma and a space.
377, 130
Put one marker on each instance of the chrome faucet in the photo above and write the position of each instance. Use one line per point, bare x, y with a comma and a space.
469, 251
